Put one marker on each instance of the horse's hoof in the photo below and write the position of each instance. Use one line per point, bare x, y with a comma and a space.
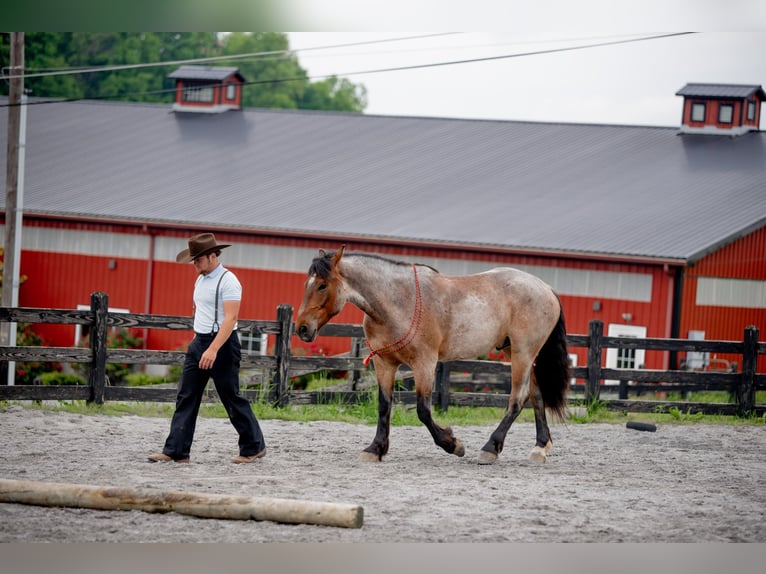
459, 448
365, 456
538, 454
549, 446
486, 457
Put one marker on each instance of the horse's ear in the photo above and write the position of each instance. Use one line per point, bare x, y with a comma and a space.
338, 255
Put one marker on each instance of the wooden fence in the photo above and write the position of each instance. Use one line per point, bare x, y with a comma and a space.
284, 365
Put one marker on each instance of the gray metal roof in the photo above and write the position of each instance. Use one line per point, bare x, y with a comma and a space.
216, 73
720, 90
581, 189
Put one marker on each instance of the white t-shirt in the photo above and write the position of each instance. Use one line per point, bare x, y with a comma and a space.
204, 298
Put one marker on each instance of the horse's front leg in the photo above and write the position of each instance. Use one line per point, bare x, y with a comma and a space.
443, 436
385, 374
520, 375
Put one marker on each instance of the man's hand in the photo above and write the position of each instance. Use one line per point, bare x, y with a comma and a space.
207, 359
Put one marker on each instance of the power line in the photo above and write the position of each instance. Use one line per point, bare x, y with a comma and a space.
517, 55
386, 70
96, 69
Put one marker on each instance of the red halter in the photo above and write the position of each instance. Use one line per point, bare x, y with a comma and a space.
409, 336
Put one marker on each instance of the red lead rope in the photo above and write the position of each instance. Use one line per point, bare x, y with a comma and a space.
411, 333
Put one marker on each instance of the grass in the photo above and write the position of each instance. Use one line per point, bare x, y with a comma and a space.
405, 415
402, 415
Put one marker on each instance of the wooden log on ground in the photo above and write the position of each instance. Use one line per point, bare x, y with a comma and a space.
195, 504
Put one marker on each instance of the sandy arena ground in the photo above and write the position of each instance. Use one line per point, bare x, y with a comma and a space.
602, 483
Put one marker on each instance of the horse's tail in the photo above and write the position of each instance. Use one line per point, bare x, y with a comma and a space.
553, 370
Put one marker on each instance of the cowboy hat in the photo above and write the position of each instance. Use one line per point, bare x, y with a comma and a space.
200, 245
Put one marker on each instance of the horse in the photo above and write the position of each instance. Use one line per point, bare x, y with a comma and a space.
416, 316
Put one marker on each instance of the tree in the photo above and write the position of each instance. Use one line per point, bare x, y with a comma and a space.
335, 93
275, 79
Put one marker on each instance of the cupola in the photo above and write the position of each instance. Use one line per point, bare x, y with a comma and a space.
207, 89
721, 109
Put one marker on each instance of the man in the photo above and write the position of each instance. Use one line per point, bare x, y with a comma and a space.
214, 352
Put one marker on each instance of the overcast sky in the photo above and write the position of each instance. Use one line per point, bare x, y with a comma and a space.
629, 83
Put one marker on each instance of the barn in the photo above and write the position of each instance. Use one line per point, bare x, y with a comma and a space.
656, 231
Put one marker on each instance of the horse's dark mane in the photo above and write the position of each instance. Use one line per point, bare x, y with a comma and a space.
321, 265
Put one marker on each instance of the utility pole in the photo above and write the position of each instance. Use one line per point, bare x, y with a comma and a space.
12, 249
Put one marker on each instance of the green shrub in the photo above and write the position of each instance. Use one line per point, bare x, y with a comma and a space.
56, 379
143, 380
119, 339
27, 372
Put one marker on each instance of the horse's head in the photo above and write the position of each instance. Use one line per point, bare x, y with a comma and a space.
323, 297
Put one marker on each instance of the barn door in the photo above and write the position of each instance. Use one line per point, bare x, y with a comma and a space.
625, 358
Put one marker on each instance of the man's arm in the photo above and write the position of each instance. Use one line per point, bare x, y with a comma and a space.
230, 314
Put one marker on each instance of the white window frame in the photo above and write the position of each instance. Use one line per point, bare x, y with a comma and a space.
751, 111
198, 93
616, 356
249, 340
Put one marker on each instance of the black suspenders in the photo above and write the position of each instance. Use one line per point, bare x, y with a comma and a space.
217, 289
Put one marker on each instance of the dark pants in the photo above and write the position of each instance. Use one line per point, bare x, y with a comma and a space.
225, 374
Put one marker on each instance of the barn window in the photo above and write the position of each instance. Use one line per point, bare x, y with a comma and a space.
725, 113
254, 343
198, 93
725, 292
230, 91
698, 112
751, 111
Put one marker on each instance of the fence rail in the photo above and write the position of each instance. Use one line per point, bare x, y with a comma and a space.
283, 365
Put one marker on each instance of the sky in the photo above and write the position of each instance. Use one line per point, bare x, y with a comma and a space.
618, 82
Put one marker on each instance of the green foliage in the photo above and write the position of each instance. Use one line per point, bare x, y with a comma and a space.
142, 380
56, 379
174, 372
119, 339
27, 372
334, 94
274, 80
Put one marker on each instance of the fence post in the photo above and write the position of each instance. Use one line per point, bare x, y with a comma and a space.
279, 395
441, 378
746, 388
99, 306
592, 386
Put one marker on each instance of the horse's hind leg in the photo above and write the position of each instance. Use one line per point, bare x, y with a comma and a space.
520, 375
443, 436
543, 443
379, 447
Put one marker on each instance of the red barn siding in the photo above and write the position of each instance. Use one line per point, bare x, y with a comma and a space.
739, 115
65, 280
745, 258
742, 259
656, 316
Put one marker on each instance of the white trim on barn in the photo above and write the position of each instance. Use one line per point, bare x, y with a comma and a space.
566, 281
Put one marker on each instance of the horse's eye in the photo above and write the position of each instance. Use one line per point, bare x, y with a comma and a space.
322, 287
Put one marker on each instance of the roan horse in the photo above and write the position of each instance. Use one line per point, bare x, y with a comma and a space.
416, 316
